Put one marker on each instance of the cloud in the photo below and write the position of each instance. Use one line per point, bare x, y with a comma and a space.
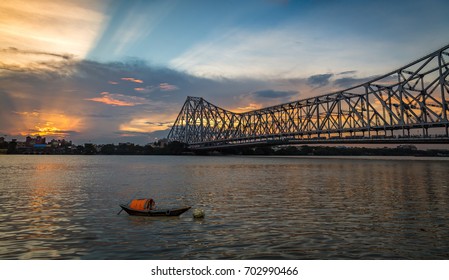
55, 29
12, 50
144, 125
250, 107
347, 72
133, 22
159, 123
117, 99
138, 137
348, 82
160, 87
167, 87
58, 67
143, 89
45, 123
243, 53
50, 132
132, 80
269, 93
319, 80
27, 114
262, 98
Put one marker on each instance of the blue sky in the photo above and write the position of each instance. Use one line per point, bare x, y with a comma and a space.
117, 71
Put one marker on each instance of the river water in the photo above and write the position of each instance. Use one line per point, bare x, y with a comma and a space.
65, 207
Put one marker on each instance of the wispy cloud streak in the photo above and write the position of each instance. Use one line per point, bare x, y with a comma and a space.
133, 80
117, 99
12, 50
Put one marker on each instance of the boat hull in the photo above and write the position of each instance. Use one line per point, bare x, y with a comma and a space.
156, 213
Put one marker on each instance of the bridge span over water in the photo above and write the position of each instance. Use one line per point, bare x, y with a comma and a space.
408, 105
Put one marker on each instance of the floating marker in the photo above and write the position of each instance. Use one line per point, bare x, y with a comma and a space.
198, 213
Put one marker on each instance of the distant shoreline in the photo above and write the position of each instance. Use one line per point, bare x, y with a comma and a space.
303, 152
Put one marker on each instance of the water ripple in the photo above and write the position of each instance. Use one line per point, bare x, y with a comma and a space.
64, 207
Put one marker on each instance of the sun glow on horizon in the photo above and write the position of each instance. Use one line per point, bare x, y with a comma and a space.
145, 125
47, 124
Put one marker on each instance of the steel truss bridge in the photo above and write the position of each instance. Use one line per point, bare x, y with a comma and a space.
409, 105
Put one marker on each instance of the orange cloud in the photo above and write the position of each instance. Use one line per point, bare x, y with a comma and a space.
248, 108
48, 124
48, 129
143, 125
146, 89
28, 114
133, 80
112, 83
56, 30
117, 99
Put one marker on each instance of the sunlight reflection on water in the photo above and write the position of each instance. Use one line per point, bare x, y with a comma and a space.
64, 207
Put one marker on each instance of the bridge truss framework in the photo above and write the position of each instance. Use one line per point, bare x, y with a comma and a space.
409, 105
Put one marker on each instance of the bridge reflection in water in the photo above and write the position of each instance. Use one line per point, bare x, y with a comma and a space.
409, 105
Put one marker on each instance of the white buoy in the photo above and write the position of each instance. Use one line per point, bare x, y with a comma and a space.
198, 213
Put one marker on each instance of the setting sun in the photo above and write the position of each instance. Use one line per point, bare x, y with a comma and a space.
48, 124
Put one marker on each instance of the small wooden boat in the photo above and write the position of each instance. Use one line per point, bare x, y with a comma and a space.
156, 212
146, 207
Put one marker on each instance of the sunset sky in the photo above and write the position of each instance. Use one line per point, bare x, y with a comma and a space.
117, 71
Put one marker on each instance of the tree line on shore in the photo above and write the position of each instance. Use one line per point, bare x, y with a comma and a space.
306, 150
158, 148
178, 148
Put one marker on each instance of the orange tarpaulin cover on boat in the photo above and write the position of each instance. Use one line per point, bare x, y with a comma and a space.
142, 204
